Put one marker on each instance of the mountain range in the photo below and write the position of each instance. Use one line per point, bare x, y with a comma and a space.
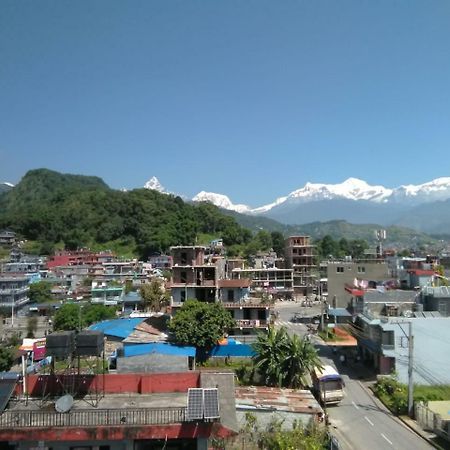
424, 207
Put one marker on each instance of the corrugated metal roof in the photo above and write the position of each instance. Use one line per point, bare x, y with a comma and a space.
293, 400
120, 328
162, 348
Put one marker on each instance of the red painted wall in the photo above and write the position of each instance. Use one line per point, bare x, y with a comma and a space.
116, 383
175, 431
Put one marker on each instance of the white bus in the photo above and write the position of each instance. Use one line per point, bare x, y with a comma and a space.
328, 385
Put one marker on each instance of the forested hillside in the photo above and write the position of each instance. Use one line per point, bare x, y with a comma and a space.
75, 211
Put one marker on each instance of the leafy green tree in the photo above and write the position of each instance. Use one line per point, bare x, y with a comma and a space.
96, 313
6, 359
200, 324
154, 295
76, 317
40, 292
283, 360
68, 318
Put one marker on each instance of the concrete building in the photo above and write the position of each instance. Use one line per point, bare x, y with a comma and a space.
341, 274
14, 290
299, 256
134, 411
384, 345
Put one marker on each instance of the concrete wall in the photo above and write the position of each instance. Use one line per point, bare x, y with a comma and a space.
121, 383
152, 363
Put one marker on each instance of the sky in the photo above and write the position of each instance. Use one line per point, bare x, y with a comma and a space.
249, 98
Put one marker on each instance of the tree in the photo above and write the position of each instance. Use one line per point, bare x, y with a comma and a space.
68, 317
76, 317
6, 359
270, 351
284, 361
301, 360
200, 324
154, 295
40, 292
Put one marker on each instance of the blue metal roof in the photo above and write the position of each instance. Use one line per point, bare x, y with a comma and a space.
161, 348
338, 312
120, 328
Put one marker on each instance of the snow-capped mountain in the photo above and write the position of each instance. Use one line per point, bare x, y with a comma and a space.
6, 183
351, 189
154, 185
222, 201
436, 190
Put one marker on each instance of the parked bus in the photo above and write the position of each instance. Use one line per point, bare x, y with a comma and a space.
328, 385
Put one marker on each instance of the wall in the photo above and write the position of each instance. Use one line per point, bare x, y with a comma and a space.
117, 383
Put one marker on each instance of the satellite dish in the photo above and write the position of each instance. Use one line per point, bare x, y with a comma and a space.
64, 403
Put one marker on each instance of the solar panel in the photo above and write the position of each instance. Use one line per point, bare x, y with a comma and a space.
8, 381
211, 403
195, 404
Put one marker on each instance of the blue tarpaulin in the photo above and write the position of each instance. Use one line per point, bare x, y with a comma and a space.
120, 328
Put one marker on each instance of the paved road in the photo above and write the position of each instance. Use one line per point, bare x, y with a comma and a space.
359, 421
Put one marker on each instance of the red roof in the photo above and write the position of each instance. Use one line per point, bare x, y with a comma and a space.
421, 272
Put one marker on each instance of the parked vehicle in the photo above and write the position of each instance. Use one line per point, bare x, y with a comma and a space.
328, 385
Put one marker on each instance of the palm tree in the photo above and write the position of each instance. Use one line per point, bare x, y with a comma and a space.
300, 361
270, 352
284, 361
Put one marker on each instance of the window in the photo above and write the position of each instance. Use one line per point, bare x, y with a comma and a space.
361, 269
339, 269
182, 296
230, 295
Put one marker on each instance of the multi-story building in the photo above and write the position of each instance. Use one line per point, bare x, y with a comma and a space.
191, 277
14, 290
273, 282
299, 256
79, 257
342, 274
7, 237
196, 275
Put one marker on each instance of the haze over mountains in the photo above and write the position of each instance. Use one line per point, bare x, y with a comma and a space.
425, 207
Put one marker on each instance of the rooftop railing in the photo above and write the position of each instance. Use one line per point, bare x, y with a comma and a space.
92, 418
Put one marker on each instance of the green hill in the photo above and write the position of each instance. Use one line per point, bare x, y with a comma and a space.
76, 211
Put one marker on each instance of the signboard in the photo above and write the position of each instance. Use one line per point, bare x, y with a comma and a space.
39, 349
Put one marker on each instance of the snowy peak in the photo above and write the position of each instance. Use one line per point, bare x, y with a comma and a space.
154, 185
6, 183
220, 200
438, 189
352, 189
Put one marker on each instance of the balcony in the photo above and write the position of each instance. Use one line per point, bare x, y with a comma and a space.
92, 418
252, 323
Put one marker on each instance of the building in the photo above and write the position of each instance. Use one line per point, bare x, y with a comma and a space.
436, 299
192, 278
383, 343
299, 256
342, 274
14, 290
272, 282
134, 411
7, 238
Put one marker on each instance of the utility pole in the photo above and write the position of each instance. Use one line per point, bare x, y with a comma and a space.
410, 338
410, 371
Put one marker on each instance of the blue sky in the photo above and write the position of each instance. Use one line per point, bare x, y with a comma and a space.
247, 98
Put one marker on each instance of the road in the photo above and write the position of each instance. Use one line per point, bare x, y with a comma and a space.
359, 422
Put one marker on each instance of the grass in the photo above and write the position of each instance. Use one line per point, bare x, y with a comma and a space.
394, 394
